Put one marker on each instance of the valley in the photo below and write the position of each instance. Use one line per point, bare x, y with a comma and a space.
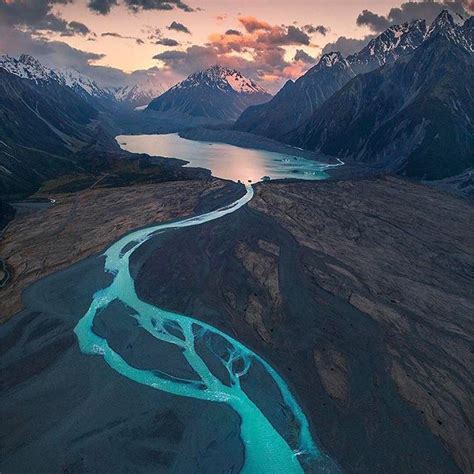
210, 278
311, 266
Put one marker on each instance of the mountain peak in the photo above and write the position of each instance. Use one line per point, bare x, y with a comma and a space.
330, 59
223, 78
216, 92
29, 60
454, 28
389, 46
442, 21
27, 67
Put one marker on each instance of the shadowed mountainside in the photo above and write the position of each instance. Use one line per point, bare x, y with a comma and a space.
415, 116
297, 101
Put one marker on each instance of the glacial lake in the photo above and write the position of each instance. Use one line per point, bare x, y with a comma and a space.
226, 161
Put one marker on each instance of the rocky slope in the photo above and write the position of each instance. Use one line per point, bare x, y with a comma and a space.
216, 92
360, 292
42, 125
28, 67
414, 116
296, 102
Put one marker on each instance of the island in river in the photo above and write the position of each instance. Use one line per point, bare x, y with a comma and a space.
342, 286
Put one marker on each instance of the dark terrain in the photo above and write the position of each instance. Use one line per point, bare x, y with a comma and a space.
358, 292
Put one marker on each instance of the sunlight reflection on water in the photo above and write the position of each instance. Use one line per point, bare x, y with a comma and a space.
226, 161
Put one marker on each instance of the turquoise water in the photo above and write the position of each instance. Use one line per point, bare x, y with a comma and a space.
266, 450
226, 161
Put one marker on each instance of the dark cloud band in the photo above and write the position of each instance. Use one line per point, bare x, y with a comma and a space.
409, 11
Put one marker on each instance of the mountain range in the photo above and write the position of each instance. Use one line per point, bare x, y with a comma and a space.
217, 92
134, 95
298, 100
414, 116
403, 103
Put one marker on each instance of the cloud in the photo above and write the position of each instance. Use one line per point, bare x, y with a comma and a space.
59, 54
167, 42
137, 5
295, 35
79, 27
152, 33
347, 46
259, 36
259, 51
409, 11
373, 21
36, 15
233, 33
267, 64
176, 26
113, 34
304, 57
252, 24
103, 7
311, 29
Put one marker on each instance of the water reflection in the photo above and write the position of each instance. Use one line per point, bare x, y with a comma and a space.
225, 161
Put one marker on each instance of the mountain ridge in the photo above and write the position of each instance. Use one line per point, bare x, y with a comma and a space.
216, 92
414, 116
296, 102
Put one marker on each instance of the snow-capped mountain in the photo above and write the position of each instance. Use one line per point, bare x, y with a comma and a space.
455, 29
429, 136
140, 94
217, 92
28, 67
297, 101
218, 77
389, 46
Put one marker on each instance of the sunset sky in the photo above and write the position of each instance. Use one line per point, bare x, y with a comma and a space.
269, 40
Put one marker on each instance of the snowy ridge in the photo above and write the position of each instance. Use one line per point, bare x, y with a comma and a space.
28, 67
454, 28
222, 78
401, 39
139, 94
390, 45
330, 60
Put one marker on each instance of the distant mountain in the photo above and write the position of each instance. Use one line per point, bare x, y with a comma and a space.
298, 100
138, 94
216, 92
414, 116
28, 67
141, 94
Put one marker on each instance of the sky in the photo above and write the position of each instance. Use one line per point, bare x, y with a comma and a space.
271, 41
